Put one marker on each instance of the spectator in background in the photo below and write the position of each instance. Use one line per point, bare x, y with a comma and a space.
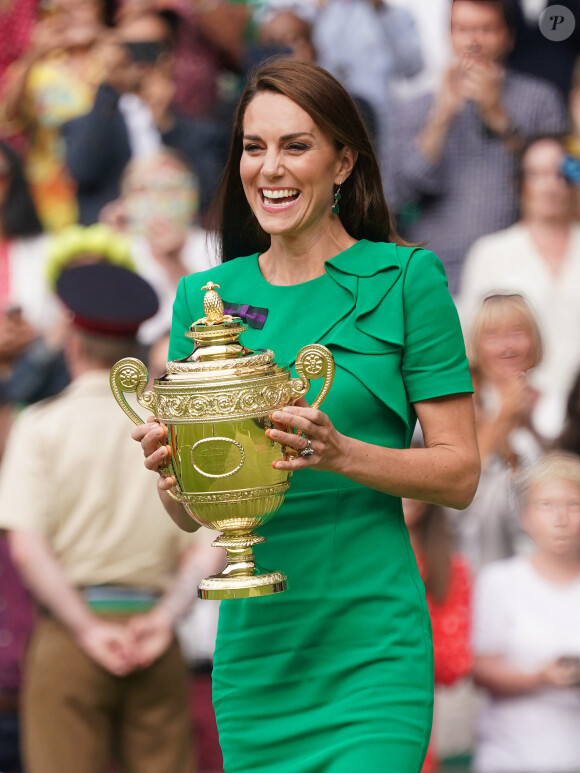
538, 257
366, 44
527, 632
504, 346
287, 30
54, 81
209, 41
103, 673
432, 21
132, 116
535, 54
23, 245
158, 213
448, 589
29, 319
454, 154
17, 17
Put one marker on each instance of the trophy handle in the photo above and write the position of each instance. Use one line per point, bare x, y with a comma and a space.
130, 375
313, 362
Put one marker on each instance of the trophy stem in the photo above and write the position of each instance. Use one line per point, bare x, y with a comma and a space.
241, 577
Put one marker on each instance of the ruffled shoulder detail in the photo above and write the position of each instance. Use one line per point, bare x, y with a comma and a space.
372, 275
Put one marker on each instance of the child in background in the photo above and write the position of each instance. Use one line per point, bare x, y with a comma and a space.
527, 632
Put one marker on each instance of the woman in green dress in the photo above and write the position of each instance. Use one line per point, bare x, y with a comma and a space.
336, 674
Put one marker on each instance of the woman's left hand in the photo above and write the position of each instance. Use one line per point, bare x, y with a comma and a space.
311, 425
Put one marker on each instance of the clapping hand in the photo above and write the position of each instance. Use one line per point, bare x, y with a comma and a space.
482, 83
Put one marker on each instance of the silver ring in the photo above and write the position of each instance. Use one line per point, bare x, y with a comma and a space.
308, 451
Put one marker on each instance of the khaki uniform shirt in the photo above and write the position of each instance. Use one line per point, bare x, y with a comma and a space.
72, 473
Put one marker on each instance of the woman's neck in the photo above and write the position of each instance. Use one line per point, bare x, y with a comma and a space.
561, 570
295, 259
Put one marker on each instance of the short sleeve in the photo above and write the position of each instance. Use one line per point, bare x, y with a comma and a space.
179, 345
434, 363
490, 615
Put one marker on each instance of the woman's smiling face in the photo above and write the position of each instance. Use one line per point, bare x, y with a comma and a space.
289, 167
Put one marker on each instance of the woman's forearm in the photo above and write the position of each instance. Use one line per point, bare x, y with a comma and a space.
445, 471
442, 475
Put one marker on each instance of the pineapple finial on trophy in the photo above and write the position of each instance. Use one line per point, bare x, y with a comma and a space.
213, 307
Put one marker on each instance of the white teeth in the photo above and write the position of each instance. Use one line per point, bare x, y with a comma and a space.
279, 193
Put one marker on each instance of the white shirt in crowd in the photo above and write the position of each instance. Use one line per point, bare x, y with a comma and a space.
144, 136
530, 622
509, 261
29, 288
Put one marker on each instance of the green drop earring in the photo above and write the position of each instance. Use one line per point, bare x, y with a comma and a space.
335, 208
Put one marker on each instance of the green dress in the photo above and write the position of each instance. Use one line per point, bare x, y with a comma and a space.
336, 674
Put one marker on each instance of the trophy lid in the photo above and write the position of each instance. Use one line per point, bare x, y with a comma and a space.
218, 351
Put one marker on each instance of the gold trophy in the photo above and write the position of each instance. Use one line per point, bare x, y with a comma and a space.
216, 404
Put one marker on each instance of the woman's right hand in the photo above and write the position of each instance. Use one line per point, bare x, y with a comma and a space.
153, 438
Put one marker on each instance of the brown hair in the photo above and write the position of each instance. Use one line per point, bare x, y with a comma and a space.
507, 10
495, 307
363, 209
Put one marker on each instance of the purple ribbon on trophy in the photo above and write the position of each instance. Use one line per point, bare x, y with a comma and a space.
253, 315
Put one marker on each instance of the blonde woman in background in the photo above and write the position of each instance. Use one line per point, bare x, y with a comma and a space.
504, 347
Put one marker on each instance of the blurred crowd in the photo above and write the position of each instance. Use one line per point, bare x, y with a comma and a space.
115, 119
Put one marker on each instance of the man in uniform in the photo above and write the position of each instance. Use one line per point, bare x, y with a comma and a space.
111, 573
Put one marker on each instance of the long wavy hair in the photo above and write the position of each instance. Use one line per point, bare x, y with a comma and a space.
363, 208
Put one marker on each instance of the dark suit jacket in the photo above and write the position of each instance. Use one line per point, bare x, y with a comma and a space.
97, 151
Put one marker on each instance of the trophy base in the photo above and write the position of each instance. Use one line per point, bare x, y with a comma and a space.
223, 586
241, 578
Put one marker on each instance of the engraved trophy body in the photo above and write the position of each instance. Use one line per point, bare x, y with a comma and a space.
216, 405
